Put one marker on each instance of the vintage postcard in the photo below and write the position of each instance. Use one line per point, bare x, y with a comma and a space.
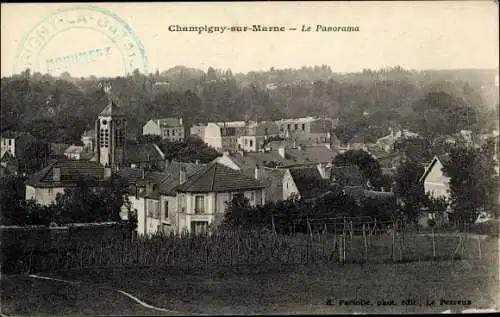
249, 158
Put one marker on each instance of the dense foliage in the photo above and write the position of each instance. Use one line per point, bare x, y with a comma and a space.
292, 214
473, 185
60, 109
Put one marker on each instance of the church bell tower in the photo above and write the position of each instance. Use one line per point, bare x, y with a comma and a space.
110, 133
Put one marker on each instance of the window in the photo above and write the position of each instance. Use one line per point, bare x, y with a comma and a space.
246, 142
266, 131
296, 127
10, 142
50, 191
167, 132
199, 204
119, 137
165, 209
199, 227
288, 126
251, 143
251, 197
173, 132
303, 127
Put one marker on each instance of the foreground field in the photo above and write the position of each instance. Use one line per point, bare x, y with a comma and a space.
262, 289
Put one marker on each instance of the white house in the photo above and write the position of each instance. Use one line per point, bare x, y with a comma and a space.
44, 186
436, 183
171, 129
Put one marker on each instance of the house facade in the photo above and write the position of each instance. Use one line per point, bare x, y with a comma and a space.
170, 129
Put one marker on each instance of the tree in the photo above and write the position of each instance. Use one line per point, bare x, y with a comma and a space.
472, 182
368, 165
189, 150
407, 188
12, 191
149, 138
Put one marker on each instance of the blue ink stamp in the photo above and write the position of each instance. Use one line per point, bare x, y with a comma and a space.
82, 40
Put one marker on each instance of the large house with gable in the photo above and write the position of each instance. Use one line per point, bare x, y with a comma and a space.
195, 199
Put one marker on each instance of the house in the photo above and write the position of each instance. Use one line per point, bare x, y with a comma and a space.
75, 152
304, 183
222, 136
15, 142
196, 199
88, 140
44, 185
147, 156
8, 164
306, 129
170, 129
202, 197
436, 183
387, 142
254, 135
157, 207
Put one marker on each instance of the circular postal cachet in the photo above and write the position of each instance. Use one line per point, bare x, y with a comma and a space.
83, 41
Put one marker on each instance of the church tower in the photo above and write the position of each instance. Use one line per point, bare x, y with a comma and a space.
110, 134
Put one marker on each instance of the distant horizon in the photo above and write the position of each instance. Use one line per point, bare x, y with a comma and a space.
424, 35
267, 70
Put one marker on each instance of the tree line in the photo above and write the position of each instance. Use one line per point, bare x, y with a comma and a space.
59, 109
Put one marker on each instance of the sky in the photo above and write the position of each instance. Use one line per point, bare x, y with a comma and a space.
106, 40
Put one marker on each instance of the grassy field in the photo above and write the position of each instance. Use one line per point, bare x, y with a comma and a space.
263, 289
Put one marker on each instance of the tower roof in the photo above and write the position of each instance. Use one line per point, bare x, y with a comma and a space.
112, 109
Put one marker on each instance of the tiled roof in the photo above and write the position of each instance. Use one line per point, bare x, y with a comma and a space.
251, 160
216, 177
312, 154
272, 179
172, 174
138, 175
169, 122
144, 153
70, 172
309, 182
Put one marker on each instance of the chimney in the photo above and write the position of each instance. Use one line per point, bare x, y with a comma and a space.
182, 175
107, 172
180, 121
281, 151
197, 162
257, 171
57, 174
